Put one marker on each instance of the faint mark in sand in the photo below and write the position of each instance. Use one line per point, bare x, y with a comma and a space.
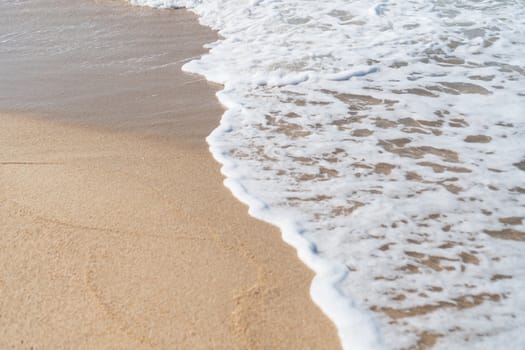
25, 211
113, 314
92, 228
116, 312
249, 308
29, 163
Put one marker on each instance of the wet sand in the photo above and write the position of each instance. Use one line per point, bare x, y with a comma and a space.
116, 229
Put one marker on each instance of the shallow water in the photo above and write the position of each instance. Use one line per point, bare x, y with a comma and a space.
64, 59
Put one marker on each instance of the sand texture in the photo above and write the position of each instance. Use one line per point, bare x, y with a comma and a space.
115, 241
116, 230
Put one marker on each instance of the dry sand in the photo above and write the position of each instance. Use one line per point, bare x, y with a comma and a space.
116, 241
114, 238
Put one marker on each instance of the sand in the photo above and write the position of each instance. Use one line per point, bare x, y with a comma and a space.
117, 233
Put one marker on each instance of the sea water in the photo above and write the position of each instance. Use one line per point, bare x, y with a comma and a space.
387, 140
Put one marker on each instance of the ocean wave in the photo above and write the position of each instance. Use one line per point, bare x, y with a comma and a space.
384, 139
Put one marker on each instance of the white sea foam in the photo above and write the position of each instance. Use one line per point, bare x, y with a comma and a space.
385, 139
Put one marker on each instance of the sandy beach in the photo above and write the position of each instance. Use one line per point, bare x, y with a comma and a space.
117, 241
117, 232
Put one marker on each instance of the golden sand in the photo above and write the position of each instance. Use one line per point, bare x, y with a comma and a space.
115, 241
112, 238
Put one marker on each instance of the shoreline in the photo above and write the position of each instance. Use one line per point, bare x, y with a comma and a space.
106, 245
119, 233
